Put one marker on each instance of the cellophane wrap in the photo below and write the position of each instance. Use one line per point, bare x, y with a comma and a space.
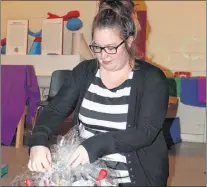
61, 174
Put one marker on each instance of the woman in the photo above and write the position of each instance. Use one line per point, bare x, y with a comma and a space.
119, 103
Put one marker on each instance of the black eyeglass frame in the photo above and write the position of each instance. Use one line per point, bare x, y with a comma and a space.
103, 48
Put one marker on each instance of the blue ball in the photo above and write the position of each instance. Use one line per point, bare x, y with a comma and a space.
74, 24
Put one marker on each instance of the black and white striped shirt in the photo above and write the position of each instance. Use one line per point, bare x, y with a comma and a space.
105, 110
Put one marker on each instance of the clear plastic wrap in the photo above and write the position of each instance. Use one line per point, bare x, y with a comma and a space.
60, 174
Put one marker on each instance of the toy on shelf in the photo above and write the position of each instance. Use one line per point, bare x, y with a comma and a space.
60, 174
3, 46
36, 46
71, 14
73, 24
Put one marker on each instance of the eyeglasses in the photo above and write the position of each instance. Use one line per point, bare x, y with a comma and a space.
108, 49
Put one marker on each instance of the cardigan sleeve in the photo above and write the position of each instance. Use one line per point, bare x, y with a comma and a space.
154, 104
61, 106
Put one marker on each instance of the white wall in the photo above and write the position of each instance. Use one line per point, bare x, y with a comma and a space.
177, 39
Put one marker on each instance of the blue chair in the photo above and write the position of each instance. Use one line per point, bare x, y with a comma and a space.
171, 131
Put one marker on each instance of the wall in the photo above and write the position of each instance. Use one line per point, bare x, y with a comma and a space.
177, 29
177, 38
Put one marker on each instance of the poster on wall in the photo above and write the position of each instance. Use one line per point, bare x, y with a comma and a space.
17, 37
141, 36
52, 36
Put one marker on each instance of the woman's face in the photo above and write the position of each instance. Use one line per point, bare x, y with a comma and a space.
110, 38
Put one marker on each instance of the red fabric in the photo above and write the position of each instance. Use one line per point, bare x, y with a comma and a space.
38, 39
140, 41
182, 74
72, 14
3, 42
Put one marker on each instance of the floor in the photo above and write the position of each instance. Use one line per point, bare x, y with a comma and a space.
187, 164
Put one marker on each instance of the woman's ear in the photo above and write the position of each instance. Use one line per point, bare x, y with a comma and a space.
130, 41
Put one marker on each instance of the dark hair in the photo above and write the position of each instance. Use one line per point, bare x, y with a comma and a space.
117, 14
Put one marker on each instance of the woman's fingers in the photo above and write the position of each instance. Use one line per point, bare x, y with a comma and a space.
74, 156
30, 165
33, 166
85, 161
80, 156
45, 164
40, 159
39, 165
49, 158
77, 162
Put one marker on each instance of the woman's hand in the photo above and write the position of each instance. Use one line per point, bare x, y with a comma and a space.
40, 159
80, 156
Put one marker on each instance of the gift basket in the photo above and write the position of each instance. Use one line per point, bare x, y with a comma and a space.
60, 174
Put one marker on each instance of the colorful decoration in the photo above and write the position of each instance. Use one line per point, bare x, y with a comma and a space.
3, 46
74, 24
35, 34
69, 15
182, 74
36, 46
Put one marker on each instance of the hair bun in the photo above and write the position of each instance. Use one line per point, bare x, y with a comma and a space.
122, 7
113, 3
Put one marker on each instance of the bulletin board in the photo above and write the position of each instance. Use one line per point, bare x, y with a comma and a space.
140, 41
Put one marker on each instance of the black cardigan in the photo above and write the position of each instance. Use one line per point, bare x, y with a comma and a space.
142, 142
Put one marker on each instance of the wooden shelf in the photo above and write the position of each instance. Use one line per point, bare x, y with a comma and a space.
44, 64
